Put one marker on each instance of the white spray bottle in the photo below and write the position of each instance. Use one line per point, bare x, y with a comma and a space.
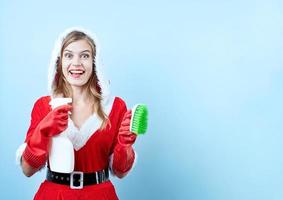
61, 153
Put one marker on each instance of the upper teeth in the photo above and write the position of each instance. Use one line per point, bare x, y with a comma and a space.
76, 71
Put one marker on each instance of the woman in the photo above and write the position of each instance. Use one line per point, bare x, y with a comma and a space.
96, 124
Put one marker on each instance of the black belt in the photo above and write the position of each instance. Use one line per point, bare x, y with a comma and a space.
77, 179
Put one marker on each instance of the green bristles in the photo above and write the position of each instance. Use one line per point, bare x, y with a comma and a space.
139, 119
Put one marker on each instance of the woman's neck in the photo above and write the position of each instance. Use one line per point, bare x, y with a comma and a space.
80, 95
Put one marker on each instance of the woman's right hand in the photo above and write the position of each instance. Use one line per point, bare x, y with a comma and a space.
35, 154
55, 121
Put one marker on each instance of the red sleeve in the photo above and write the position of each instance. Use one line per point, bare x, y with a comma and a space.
121, 110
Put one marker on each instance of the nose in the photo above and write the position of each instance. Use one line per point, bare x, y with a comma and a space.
76, 61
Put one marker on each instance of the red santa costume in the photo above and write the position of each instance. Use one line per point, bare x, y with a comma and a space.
95, 151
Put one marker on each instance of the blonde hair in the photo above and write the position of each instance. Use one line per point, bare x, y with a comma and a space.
62, 87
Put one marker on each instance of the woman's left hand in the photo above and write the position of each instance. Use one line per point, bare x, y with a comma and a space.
125, 136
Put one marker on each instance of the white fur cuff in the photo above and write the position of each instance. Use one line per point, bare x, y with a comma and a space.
20, 152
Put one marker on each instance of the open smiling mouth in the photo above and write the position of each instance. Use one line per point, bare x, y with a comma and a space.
76, 73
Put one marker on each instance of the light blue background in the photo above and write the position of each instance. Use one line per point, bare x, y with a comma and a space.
210, 72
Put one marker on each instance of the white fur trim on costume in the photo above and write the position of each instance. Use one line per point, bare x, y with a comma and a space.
102, 81
79, 137
20, 152
125, 174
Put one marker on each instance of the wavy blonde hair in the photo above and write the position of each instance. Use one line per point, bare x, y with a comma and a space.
62, 87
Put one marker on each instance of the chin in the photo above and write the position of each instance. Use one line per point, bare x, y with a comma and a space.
77, 83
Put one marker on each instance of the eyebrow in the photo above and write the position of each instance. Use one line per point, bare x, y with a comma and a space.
80, 52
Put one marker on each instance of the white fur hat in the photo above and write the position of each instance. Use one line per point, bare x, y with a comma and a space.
102, 82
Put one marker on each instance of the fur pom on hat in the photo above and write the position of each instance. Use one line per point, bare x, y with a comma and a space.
52, 71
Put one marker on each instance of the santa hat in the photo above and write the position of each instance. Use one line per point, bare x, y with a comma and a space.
102, 83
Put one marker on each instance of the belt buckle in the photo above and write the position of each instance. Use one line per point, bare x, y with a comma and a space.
81, 180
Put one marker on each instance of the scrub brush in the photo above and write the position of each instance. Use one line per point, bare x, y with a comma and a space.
139, 119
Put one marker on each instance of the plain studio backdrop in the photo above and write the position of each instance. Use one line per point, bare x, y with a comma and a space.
210, 72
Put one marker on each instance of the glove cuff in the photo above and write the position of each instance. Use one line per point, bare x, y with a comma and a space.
36, 158
124, 157
35, 154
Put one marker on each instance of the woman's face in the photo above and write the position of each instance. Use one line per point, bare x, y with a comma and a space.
77, 63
